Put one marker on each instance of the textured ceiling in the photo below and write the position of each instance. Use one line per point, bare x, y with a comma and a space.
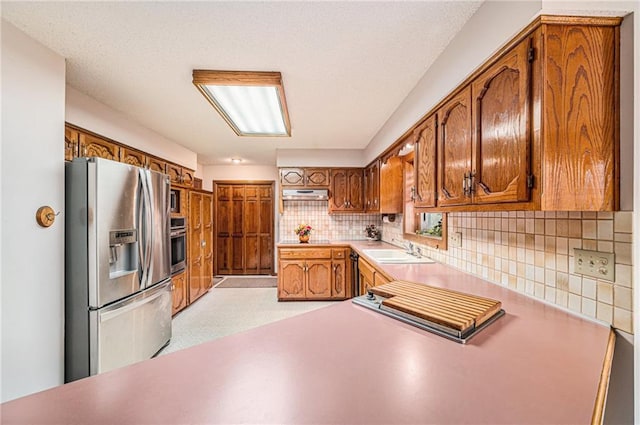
346, 66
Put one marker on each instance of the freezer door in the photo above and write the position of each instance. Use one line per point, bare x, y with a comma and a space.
132, 330
159, 262
113, 201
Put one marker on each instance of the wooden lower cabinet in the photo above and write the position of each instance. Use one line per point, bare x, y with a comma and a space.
180, 293
200, 243
313, 273
370, 276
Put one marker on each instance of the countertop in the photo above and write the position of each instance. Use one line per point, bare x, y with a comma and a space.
346, 364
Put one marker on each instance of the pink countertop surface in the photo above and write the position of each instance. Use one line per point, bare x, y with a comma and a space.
344, 364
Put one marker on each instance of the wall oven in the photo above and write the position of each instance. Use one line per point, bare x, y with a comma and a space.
178, 244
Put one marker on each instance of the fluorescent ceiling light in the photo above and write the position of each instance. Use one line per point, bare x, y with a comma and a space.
236, 160
252, 103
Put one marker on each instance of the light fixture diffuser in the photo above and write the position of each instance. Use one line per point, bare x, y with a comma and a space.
252, 103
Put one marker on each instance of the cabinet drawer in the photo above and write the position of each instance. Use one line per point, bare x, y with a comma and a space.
339, 253
295, 253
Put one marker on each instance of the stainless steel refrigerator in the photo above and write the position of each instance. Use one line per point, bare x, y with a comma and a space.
117, 266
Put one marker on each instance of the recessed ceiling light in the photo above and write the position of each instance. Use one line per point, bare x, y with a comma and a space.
252, 103
236, 160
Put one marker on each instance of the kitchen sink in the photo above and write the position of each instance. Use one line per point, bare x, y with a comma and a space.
395, 256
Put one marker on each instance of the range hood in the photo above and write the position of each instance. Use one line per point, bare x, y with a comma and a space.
305, 194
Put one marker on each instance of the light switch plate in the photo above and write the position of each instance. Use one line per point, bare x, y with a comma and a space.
455, 240
600, 265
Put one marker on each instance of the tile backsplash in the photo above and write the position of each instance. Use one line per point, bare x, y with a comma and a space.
325, 225
532, 252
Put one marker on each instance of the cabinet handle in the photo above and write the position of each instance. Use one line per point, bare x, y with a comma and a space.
465, 187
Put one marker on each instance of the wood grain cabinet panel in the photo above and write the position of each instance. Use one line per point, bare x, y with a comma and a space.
304, 177
322, 273
244, 232
318, 283
291, 177
346, 190
200, 244
425, 145
581, 117
179, 292
316, 177
94, 146
372, 187
133, 157
156, 164
370, 276
291, 280
502, 143
454, 149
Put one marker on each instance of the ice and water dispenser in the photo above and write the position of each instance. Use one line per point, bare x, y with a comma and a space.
123, 252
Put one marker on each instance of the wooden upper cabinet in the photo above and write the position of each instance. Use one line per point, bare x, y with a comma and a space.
304, 177
425, 148
71, 142
391, 186
372, 187
133, 157
95, 146
179, 175
454, 149
316, 177
347, 190
291, 177
580, 112
501, 139
156, 164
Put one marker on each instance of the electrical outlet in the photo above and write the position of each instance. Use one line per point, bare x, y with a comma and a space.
600, 265
455, 239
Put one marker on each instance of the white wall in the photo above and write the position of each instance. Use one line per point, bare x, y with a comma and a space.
32, 262
320, 158
92, 115
236, 172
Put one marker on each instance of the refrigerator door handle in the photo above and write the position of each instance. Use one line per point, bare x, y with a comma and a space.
141, 217
152, 224
148, 228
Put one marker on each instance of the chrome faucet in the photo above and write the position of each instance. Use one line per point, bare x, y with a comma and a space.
409, 248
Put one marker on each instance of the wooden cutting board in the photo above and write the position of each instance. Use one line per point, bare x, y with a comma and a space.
445, 307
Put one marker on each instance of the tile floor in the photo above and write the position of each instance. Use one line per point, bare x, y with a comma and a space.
225, 311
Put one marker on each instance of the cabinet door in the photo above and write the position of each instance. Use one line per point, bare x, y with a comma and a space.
318, 279
195, 255
94, 146
207, 242
291, 177
454, 149
155, 164
425, 163
391, 190
133, 157
291, 277
339, 195
179, 292
339, 279
501, 129
356, 190
316, 177
187, 177
223, 210
175, 173
581, 108
71, 141
372, 187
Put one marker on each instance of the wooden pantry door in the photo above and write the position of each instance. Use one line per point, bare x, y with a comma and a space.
244, 227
